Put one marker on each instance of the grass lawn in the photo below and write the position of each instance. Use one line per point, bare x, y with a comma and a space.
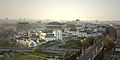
18, 56
33, 56
75, 44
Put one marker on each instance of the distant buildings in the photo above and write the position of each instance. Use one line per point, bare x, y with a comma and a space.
31, 39
2, 26
40, 33
23, 26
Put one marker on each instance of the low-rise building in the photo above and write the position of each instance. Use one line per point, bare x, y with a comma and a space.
50, 37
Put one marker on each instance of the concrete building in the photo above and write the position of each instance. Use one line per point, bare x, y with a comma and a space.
54, 25
50, 37
58, 34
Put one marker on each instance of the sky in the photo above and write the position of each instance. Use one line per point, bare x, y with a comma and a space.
61, 9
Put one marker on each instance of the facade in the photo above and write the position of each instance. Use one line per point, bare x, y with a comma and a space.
50, 37
55, 35
58, 34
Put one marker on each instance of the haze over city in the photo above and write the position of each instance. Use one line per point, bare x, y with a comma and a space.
61, 9
59, 29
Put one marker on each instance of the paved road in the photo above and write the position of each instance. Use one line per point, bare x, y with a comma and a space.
7, 56
92, 52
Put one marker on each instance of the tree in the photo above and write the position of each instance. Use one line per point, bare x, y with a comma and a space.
92, 40
13, 44
108, 43
85, 45
37, 48
2, 57
5, 43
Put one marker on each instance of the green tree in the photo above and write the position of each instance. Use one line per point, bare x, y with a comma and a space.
110, 41
5, 43
92, 40
37, 48
108, 45
84, 44
13, 44
2, 57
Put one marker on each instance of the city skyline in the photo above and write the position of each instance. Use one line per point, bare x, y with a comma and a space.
61, 9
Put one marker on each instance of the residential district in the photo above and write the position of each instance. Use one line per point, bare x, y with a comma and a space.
51, 40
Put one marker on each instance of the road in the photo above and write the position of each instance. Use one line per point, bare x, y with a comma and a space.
7, 56
93, 51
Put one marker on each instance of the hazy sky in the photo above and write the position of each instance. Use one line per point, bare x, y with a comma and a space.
61, 9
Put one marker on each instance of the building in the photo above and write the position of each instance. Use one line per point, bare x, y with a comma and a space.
23, 26
54, 25
2, 26
50, 37
58, 34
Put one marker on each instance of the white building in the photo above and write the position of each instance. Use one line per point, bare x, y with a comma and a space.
58, 34
50, 37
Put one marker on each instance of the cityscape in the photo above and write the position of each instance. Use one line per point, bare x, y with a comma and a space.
64, 30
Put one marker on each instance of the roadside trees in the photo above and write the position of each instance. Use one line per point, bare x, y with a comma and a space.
108, 44
84, 44
92, 40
